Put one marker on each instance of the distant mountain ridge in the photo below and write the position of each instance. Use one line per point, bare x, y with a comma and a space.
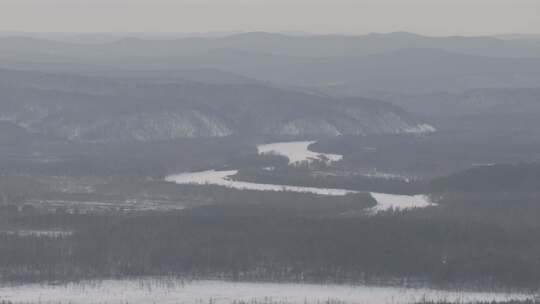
341, 78
101, 109
331, 64
331, 45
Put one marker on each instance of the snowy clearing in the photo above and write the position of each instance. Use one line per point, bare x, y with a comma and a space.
168, 291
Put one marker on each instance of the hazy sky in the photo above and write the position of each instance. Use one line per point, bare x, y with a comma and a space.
432, 17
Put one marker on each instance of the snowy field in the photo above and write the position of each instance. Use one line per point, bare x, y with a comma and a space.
297, 151
218, 292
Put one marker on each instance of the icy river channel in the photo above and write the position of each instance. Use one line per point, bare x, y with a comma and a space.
296, 152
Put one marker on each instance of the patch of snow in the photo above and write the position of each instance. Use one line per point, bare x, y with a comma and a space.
107, 206
399, 202
304, 126
483, 164
386, 176
297, 151
37, 233
421, 129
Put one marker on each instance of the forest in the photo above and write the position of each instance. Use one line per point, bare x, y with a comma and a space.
449, 246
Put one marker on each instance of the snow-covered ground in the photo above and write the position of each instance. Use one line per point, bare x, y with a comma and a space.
297, 151
37, 233
144, 204
421, 129
222, 178
399, 202
218, 292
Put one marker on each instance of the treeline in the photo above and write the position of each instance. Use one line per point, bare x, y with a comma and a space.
253, 243
521, 177
306, 176
432, 155
530, 301
17, 189
53, 157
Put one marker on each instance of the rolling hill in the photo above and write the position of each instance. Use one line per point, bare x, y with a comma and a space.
104, 109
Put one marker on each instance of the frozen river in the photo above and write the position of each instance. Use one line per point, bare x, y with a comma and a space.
296, 152
223, 178
221, 292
